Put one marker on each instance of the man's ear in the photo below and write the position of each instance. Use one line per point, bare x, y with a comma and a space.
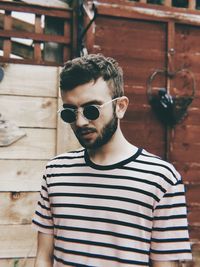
121, 106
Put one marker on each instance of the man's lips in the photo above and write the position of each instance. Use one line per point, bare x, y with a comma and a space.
85, 132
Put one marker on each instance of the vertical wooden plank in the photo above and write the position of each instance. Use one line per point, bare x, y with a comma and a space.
171, 45
74, 43
192, 4
90, 35
170, 68
7, 45
37, 45
168, 3
143, 1
65, 48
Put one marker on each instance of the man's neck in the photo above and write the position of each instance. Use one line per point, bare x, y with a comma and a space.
116, 150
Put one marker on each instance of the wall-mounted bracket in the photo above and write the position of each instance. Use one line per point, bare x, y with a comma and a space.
170, 109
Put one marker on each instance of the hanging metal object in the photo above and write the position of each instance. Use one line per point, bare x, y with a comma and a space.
170, 109
92, 14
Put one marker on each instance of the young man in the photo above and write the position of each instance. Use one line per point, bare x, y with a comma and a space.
110, 204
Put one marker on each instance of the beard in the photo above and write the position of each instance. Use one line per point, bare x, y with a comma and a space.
103, 138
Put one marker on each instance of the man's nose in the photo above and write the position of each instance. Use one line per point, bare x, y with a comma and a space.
80, 119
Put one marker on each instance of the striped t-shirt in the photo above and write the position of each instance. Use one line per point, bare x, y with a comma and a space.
120, 215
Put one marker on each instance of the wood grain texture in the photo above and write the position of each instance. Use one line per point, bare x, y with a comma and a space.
29, 111
21, 175
141, 45
18, 262
29, 80
17, 208
17, 241
38, 144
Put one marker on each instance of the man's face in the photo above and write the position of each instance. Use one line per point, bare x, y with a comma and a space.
94, 133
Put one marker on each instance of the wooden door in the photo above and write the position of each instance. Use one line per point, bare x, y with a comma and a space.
146, 38
30, 135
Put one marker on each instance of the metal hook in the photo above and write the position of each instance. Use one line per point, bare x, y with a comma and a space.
92, 16
169, 109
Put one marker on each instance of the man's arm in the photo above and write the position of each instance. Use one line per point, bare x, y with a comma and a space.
44, 257
165, 264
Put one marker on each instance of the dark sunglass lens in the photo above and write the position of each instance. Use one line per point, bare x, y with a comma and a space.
68, 115
91, 112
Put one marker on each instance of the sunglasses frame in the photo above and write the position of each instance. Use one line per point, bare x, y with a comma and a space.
81, 110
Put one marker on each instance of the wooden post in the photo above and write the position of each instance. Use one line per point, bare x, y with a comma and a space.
168, 3
143, 1
192, 4
65, 48
37, 45
7, 45
74, 43
170, 68
171, 45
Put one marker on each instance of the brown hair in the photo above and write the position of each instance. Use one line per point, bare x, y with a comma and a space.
91, 67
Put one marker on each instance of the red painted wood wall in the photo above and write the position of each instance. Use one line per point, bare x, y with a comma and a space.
142, 41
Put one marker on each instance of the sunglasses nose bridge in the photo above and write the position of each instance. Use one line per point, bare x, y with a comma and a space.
80, 118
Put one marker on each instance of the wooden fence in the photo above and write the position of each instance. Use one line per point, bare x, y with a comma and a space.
143, 37
50, 34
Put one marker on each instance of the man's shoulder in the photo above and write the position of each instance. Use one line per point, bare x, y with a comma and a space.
67, 156
158, 164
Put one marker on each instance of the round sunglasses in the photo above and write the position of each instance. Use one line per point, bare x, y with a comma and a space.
89, 112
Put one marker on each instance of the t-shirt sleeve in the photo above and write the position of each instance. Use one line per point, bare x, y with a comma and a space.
42, 220
170, 238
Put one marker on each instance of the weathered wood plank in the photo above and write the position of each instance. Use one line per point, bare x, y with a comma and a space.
21, 175
29, 111
17, 208
190, 171
37, 144
192, 117
36, 36
196, 254
194, 215
17, 262
132, 10
168, 3
36, 9
52, 3
194, 233
18, 24
7, 46
145, 136
133, 30
187, 38
186, 134
193, 196
37, 45
20, 79
17, 241
185, 152
133, 52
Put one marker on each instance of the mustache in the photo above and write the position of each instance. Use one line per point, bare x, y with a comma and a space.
85, 130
